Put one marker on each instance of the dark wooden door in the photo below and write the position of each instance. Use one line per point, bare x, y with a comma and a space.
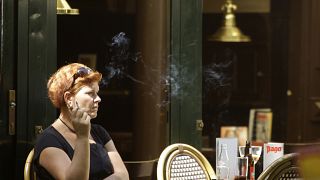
186, 102
28, 57
7, 84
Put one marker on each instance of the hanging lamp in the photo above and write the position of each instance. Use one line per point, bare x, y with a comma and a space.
229, 32
63, 8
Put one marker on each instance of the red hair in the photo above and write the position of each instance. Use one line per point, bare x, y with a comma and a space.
61, 81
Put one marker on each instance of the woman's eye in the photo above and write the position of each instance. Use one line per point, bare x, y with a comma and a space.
92, 94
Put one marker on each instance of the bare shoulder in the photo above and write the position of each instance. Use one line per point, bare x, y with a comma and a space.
55, 161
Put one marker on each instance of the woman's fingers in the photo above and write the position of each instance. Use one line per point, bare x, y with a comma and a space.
73, 108
84, 117
80, 115
81, 123
77, 105
88, 118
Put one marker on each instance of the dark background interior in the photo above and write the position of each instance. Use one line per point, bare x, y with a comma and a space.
258, 70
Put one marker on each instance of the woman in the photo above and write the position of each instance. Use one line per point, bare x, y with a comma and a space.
72, 147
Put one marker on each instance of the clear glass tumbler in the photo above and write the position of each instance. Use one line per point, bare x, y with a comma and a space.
242, 168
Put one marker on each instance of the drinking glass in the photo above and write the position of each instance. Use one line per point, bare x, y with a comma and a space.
242, 168
255, 151
241, 151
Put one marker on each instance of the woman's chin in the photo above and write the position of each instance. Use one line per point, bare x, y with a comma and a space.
93, 115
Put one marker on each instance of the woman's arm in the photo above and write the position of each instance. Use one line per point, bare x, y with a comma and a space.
58, 164
120, 170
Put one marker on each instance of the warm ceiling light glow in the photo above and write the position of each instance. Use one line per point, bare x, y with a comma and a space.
64, 8
229, 32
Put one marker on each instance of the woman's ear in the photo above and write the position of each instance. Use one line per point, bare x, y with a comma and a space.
68, 98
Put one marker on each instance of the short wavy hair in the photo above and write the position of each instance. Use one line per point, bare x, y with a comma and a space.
62, 81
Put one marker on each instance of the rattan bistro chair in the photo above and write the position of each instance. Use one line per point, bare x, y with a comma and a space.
28, 172
284, 168
182, 161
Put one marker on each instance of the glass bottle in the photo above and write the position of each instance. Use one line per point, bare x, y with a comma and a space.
247, 153
222, 163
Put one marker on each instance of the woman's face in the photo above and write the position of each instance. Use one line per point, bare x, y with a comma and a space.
88, 100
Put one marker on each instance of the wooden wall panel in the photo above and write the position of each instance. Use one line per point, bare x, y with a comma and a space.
304, 73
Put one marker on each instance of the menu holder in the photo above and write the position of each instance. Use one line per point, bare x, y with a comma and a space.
232, 150
271, 152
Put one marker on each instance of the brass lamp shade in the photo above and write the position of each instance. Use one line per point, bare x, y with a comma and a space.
229, 32
64, 8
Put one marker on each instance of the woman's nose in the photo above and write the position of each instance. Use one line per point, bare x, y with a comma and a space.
97, 99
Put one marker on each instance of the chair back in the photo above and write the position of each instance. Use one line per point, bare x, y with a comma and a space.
28, 173
182, 161
283, 168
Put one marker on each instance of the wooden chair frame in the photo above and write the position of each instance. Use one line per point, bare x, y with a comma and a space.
174, 150
28, 173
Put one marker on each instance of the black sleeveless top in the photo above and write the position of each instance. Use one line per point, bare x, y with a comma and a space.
100, 164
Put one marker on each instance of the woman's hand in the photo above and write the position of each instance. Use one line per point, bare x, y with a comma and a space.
80, 120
